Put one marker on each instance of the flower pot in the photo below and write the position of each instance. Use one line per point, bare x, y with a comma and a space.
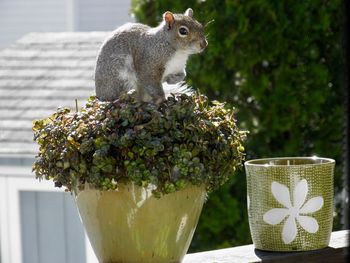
290, 202
131, 225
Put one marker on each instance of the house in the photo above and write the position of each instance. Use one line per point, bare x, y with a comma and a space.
40, 72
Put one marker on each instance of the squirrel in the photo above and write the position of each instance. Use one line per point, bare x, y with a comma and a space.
138, 57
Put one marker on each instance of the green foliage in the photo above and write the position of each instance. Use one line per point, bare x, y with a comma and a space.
185, 140
280, 64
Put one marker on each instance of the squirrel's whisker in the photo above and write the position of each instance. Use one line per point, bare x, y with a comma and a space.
208, 23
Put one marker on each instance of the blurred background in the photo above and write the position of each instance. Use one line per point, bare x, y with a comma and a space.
280, 64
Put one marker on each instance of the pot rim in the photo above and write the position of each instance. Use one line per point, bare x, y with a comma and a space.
271, 162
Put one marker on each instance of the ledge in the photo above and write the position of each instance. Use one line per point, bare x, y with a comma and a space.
337, 251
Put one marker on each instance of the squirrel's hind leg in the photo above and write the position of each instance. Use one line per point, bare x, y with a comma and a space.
115, 79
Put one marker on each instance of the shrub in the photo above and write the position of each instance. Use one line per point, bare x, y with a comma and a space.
279, 63
185, 140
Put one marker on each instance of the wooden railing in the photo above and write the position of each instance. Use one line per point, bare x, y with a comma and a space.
337, 251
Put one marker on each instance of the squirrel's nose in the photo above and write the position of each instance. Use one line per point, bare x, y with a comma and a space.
203, 44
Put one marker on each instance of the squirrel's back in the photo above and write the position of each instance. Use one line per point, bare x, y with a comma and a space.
114, 71
121, 40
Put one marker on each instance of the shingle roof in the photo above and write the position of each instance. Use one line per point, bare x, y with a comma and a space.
39, 73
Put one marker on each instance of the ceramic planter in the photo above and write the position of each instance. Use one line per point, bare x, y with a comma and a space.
290, 203
131, 225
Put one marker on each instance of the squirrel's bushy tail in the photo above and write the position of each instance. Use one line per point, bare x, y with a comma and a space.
178, 88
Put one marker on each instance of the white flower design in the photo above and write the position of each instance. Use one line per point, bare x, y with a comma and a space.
293, 212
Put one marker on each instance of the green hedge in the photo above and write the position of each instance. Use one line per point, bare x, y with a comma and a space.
279, 64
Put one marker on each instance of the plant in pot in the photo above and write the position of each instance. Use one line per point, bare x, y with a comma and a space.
140, 172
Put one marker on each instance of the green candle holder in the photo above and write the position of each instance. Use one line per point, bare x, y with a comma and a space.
290, 202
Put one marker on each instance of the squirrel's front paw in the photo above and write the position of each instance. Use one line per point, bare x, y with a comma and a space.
175, 78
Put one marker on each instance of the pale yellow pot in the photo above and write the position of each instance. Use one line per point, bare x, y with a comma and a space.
131, 225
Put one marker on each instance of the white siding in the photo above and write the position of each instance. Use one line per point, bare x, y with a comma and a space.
51, 229
102, 15
19, 17
38, 222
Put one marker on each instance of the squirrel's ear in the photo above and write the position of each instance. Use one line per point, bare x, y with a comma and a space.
169, 19
189, 12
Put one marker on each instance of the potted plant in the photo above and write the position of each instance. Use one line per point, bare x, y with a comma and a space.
140, 172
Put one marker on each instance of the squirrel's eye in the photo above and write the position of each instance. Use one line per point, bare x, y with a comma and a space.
183, 31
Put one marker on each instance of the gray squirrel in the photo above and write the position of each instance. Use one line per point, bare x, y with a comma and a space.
140, 57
